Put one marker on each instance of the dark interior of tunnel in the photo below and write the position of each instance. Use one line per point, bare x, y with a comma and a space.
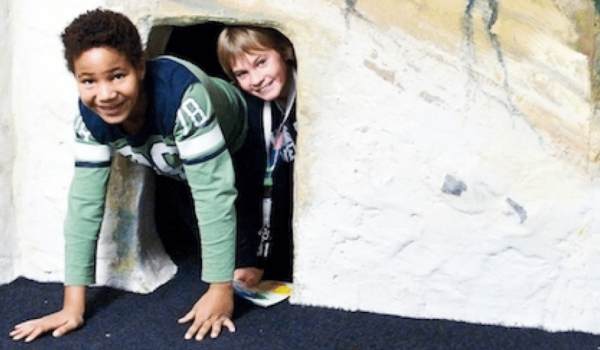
198, 44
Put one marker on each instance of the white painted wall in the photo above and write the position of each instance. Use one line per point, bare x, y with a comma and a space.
7, 233
409, 114
44, 105
440, 175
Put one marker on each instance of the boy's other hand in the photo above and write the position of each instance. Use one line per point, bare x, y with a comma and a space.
249, 276
212, 311
62, 322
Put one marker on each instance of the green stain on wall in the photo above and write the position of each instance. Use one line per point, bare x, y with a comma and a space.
597, 5
124, 233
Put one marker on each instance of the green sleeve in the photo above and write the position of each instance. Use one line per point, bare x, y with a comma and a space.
212, 188
85, 207
209, 170
84, 218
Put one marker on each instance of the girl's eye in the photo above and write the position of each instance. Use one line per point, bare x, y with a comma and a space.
240, 75
87, 82
262, 62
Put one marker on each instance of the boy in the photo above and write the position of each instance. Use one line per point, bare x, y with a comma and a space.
261, 61
166, 114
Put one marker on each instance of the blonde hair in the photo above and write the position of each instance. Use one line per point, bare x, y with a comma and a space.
236, 40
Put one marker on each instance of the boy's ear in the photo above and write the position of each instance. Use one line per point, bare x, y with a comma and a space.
289, 56
141, 68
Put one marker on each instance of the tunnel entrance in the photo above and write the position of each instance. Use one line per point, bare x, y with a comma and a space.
197, 44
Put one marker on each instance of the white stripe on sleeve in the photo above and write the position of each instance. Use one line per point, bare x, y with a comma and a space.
92, 153
201, 144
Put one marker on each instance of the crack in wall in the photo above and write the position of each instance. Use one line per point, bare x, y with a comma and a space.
518, 209
490, 14
594, 133
351, 10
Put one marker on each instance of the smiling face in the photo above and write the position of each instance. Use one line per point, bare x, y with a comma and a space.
110, 86
263, 74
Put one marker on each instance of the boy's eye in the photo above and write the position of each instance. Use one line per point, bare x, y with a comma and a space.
118, 76
87, 81
240, 75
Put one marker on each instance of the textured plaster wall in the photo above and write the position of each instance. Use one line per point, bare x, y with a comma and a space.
457, 140
448, 151
7, 236
44, 104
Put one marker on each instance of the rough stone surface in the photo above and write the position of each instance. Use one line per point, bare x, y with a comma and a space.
448, 151
130, 253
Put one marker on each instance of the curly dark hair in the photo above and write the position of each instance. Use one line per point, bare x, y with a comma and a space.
102, 28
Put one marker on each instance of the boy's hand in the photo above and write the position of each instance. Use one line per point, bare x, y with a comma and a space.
212, 311
249, 276
61, 322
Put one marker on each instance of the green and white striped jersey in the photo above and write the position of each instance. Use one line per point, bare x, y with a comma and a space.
193, 123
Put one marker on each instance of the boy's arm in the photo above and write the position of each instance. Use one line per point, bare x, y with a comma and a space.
213, 198
209, 171
85, 211
84, 217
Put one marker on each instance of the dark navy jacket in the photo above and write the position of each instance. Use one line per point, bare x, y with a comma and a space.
250, 163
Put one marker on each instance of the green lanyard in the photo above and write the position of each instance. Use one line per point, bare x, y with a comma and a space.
273, 144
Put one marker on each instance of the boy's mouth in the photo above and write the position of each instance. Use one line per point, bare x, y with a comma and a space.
111, 110
265, 88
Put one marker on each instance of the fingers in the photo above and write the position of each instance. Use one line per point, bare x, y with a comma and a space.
61, 322
214, 324
31, 331
206, 325
36, 333
252, 281
187, 317
249, 276
18, 333
194, 330
27, 330
216, 329
239, 275
229, 324
66, 328
210, 312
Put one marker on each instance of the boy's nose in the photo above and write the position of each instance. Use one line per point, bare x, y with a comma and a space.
106, 92
256, 78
